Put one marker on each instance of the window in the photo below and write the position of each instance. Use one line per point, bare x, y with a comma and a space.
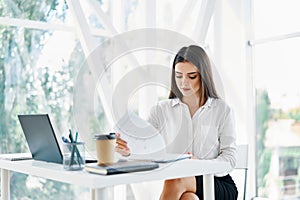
276, 69
37, 76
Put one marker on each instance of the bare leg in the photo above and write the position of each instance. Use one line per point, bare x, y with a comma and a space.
175, 188
189, 196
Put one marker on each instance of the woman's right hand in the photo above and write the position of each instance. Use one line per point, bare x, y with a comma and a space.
122, 147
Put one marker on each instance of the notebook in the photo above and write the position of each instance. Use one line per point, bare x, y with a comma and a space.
120, 167
41, 139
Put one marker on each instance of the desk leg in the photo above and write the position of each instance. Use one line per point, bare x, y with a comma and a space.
120, 192
100, 194
5, 184
92, 194
208, 187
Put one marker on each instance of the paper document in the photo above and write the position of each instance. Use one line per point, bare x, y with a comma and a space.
160, 157
140, 135
133, 125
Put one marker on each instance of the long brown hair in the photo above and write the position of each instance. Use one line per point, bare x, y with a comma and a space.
197, 56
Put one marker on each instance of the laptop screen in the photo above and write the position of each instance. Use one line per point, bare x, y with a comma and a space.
41, 138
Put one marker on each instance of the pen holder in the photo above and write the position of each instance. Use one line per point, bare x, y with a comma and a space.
73, 156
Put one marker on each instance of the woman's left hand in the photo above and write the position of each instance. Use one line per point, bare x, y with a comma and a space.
122, 147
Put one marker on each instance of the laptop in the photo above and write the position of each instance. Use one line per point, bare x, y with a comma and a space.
41, 139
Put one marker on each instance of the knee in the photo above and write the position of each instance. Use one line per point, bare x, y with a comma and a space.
175, 188
189, 196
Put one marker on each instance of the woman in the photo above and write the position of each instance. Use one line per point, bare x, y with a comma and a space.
194, 119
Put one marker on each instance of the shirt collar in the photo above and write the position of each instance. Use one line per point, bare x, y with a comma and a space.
208, 103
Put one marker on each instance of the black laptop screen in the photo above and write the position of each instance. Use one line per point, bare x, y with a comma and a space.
40, 137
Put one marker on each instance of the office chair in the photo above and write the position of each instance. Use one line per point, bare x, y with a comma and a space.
241, 164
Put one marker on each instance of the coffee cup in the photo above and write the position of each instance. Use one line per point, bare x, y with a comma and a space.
105, 148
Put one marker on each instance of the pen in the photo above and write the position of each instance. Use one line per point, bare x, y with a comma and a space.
73, 147
76, 136
79, 158
65, 140
71, 136
75, 150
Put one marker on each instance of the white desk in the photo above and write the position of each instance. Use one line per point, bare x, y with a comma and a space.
99, 183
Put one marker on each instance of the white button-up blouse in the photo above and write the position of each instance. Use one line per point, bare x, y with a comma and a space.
209, 134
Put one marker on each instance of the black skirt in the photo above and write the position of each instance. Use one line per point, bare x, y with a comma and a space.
225, 188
